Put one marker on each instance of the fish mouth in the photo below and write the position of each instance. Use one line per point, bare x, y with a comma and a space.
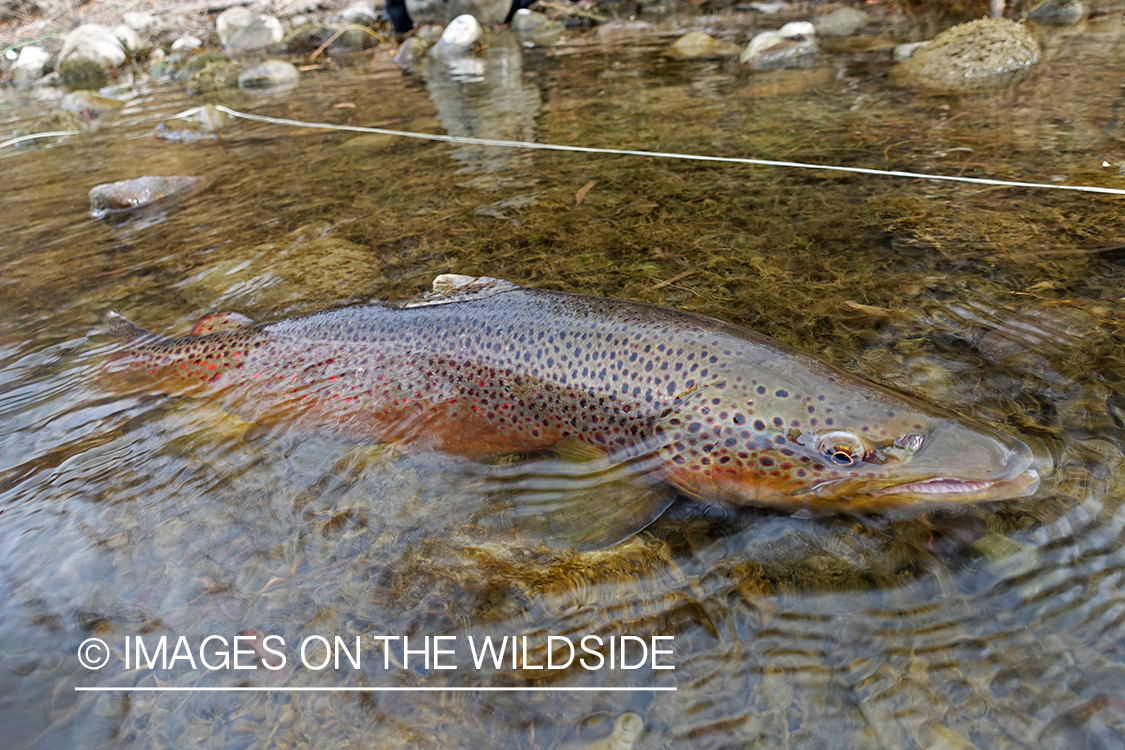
954, 490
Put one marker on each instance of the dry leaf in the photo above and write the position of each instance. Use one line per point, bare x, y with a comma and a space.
581, 194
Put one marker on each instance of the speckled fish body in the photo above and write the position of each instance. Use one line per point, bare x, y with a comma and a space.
483, 367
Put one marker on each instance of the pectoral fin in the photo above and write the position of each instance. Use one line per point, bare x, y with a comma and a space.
584, 498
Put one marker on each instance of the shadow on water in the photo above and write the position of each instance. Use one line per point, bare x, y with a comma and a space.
995, 626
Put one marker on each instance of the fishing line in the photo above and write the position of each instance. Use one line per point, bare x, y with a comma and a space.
651, 154
499, 143
52, 134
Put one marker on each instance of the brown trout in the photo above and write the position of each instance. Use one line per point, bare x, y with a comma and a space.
482, 367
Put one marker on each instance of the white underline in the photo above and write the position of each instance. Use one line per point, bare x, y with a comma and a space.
371, 689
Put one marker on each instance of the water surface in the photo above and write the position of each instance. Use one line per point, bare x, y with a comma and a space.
141, 515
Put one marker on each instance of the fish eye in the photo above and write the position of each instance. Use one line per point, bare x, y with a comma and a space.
841, 448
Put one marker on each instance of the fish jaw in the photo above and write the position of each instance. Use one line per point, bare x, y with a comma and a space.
928, 494
960, 464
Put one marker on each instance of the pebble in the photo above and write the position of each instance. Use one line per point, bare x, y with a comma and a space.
186, 42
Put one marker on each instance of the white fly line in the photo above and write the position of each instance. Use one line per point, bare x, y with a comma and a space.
500, 143
652, 154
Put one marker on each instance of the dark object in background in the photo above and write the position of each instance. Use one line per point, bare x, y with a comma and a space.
395, 12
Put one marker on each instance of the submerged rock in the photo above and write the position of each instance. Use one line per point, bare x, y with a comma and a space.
410, 53
270, 74
214, 76
696, 45
89, 105
791, 46
130, 195
535, 29
57, 121
200, 125
1058, 12
981, 54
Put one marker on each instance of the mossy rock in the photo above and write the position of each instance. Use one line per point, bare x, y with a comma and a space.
214, 76
982, 54
82, 72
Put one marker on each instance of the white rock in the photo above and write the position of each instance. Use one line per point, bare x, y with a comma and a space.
361, 12
187, 41
139, 21
32, 59
95, 43
262, 32
904, 52
29, 66
231, 21
129, 39
462, 33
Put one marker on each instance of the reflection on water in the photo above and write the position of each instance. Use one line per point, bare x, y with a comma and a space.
996, 626
484, 96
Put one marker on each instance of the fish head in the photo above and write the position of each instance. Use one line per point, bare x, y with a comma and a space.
866, 450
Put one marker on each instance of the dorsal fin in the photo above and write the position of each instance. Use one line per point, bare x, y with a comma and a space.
221, 323
452, 287
123, 329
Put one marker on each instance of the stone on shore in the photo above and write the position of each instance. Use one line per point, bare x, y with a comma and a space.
89, 50
29, 66
243, 32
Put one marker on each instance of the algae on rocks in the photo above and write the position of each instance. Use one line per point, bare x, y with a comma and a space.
982, 54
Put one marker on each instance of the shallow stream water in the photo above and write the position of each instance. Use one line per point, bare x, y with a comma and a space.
142, 516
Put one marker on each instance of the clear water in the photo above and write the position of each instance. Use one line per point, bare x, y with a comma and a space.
144, 516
